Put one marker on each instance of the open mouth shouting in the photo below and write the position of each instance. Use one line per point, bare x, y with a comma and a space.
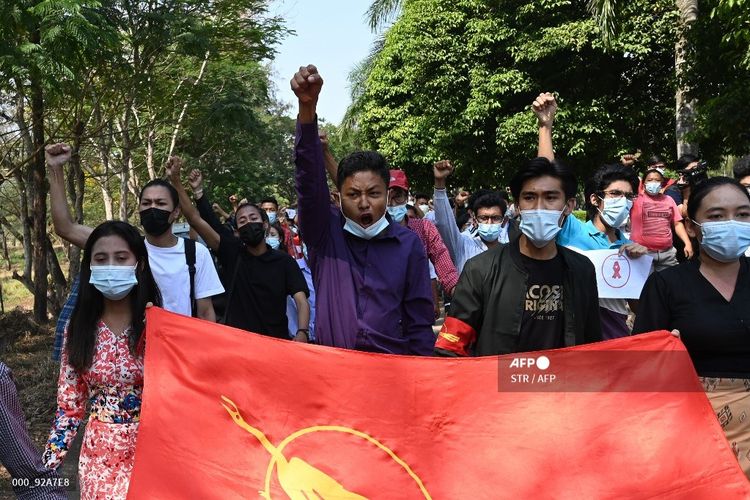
366, 219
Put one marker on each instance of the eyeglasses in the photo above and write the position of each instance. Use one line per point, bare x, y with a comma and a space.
490, 219
616, 193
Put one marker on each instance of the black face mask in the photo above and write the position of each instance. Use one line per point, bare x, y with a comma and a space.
252, 233
155, 221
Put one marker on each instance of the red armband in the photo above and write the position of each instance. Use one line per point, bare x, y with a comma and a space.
455, 336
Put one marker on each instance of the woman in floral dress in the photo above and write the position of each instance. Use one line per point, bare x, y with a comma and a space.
102, 361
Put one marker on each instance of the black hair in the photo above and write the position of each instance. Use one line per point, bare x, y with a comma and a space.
162, 183
282, 240
269, 199
82, 329
655, 160
362, 161
540, 167
742, 167
489, 200
421, 195
261, 212
462, 218
475, 196
685, 160
704, 189
602, 178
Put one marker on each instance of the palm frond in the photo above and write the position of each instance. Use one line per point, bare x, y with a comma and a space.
382, 11
605, 14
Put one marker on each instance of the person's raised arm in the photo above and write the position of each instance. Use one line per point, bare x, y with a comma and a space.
445, 219
205, 209
56, 156
545, 107
312, 189
332, 166
204, 229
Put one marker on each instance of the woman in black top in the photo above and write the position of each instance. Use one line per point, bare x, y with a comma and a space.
708, 300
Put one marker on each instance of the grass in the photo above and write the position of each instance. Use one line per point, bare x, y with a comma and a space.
14, 293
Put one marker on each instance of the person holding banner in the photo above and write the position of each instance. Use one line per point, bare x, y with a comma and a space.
370, 273
530, 294
609, 196
102, 361
707, 299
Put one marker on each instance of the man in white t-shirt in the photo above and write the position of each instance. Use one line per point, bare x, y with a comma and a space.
158, 209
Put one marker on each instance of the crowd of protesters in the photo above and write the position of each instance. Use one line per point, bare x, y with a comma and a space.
371, 266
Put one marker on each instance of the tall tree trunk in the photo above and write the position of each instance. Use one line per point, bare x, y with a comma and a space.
178, 125
684, 107
150, 154
22, 178
58, 292
39, 203
126, 164
75, 180
104, 142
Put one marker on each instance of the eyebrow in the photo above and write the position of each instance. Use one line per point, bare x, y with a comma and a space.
555, 191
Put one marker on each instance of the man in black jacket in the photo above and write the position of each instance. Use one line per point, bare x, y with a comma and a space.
529, 294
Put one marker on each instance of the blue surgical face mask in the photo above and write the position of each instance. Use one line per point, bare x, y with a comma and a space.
489, 232
653, 188
726, 240
616, 211
271, 217
366, 233
397, 212
114, 282
540, 226
273, 242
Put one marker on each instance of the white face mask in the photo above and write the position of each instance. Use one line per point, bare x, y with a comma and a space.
653, 188
424, 208
366, 233
114, 282
616, 211
540, 226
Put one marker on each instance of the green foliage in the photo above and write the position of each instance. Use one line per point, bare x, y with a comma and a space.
241, 143
455, 79
718, 77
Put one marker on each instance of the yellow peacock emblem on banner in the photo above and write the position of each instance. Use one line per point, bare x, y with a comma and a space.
302, 481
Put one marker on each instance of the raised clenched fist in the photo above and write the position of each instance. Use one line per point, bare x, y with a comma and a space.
174, 168
442, 169
195, 179
306, 84
57, 155
545, 107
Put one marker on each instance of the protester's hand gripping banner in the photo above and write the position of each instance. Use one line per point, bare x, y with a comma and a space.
228, 414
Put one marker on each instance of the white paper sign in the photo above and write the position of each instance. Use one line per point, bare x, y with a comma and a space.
618, 276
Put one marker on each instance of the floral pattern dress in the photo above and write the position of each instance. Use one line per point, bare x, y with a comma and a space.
113, 386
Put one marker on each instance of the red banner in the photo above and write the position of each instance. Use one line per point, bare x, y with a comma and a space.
228, 414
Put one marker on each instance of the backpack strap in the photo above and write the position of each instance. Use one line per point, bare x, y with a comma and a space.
190, 260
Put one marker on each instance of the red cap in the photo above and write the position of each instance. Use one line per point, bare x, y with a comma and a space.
398, 180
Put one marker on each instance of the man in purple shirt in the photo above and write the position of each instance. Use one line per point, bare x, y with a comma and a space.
371, 274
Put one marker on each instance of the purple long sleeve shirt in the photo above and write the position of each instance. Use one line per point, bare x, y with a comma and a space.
372, 295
